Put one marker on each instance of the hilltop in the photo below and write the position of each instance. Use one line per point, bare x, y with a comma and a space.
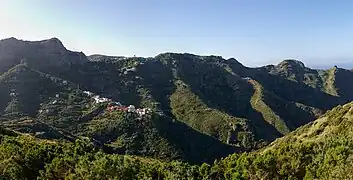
199, 104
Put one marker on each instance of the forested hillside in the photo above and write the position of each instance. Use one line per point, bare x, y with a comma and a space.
321, 149
185, 107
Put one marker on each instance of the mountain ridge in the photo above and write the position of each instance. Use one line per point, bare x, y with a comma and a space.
215, 100
55, 40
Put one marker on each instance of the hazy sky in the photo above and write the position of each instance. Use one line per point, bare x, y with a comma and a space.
255, 32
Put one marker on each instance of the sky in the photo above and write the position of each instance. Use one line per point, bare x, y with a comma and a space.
255, 32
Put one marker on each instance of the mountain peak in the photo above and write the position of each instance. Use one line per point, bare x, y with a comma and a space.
53, 40
53, 43
291, 63
38, 54
10, 39
234, 61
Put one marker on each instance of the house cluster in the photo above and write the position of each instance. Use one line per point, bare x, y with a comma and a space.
88, 93
97, 98
116, 106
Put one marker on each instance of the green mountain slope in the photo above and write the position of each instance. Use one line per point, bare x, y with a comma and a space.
187, 107
259, 104
23, 89
321, 149
59, 110
154, 136
24, 157
218, 102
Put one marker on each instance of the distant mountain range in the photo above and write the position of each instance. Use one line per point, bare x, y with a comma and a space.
344, 65
327, 63
203, 107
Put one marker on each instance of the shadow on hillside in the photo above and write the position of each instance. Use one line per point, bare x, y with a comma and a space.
344, 83
159, 137
105, 79
30, 88
287, 92
288, 111
195, 147
159, 80
4, 96
295, 91
221, 90
290, 90
40, 130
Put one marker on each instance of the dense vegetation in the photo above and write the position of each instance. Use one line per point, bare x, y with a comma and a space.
319, 150
204, 107
24, 157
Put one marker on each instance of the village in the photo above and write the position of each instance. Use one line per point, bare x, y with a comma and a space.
117, 106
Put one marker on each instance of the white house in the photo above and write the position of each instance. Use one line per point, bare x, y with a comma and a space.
98, 99
131, 108
141, 112
88, 93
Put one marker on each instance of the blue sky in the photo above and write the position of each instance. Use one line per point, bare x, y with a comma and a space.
256, 32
